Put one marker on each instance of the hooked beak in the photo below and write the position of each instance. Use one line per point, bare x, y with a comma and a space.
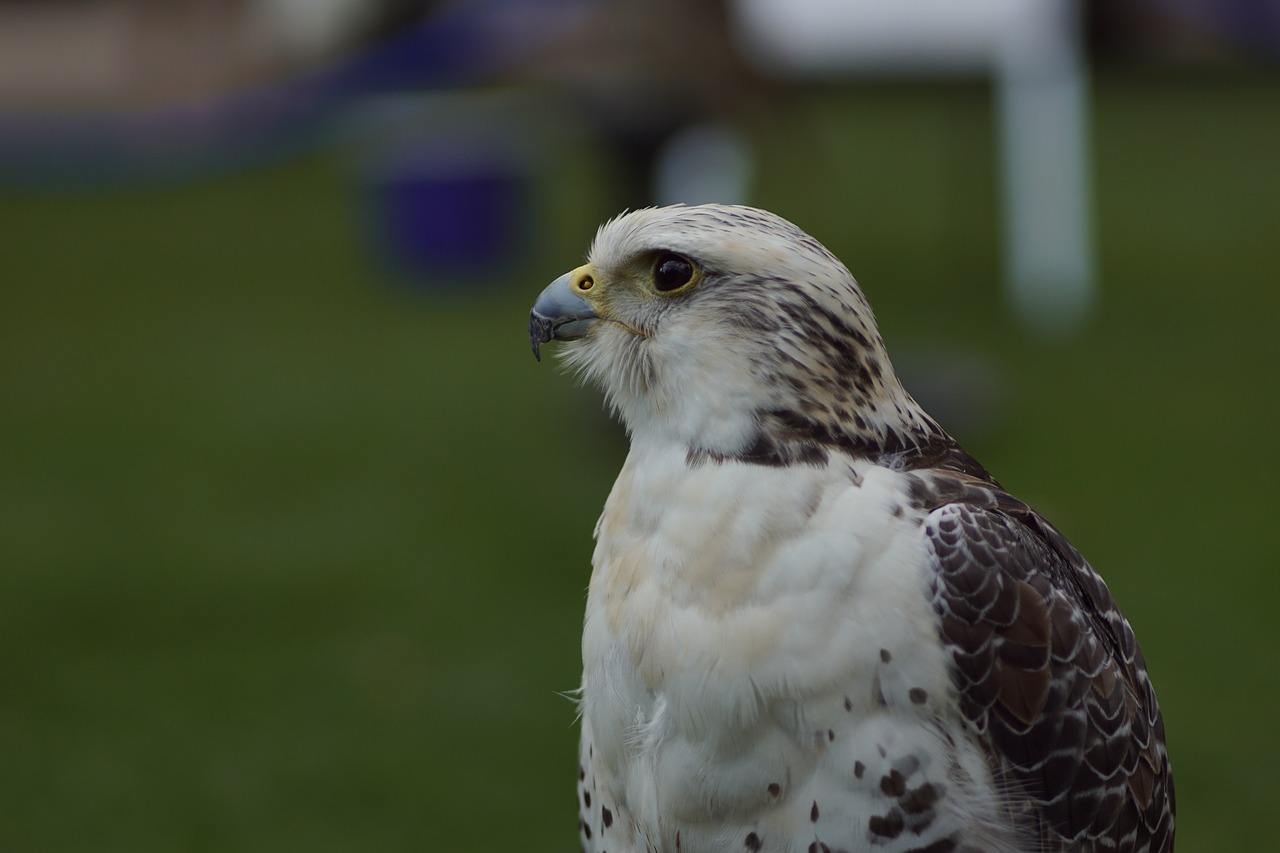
559, 314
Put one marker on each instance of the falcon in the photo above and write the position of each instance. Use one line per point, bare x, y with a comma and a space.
814, 622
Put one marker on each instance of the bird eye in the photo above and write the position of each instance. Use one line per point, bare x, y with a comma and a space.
671, 272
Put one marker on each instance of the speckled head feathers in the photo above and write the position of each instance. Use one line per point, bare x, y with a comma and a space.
770, 355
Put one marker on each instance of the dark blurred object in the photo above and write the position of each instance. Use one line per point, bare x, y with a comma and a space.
643, 72
449, 209
1201, 33
967, 390
446, 195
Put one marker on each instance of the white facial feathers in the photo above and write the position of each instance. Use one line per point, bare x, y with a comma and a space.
771, 354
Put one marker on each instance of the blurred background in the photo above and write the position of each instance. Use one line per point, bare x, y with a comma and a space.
294, 532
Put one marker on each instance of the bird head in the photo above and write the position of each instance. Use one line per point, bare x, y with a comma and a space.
733, 332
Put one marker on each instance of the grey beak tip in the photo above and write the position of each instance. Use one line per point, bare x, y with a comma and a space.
559, 314
541, 330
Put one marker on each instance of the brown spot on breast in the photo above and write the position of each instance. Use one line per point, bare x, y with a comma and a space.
917, 696
894, 784
752, 842
919, 799
885, 657
607, 815
813, 812
889, 826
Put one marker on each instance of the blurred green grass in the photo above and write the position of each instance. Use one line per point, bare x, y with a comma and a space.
294, 557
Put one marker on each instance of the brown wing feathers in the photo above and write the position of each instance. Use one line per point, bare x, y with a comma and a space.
1048, 671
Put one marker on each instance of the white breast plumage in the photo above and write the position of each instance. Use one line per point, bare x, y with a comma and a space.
757, 643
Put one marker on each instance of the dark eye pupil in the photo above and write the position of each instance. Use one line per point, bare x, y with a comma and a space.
671, 272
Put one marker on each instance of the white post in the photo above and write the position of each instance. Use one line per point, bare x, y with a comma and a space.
1042, 108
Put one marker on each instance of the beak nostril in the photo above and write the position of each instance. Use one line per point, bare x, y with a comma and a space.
561, 312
